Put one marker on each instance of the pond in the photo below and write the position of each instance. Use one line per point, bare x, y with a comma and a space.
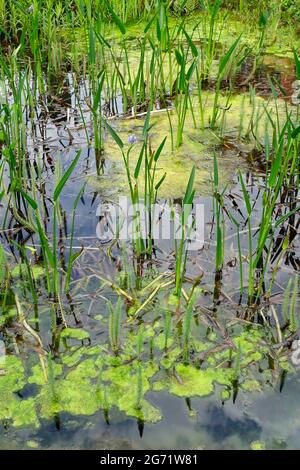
186, 339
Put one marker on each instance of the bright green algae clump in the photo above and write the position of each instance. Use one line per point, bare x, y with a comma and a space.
197, 148
20, 412
198, 382
89, 378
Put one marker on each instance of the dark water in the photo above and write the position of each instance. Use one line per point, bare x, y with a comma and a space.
271, 415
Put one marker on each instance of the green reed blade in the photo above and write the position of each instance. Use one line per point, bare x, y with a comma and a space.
139, 162
116, 19
189, 189
297, 62
113, 134
159, 150
65, 177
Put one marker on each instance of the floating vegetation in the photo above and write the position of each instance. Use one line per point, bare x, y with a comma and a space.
90, 378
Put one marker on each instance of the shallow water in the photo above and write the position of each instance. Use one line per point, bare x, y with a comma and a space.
263, 406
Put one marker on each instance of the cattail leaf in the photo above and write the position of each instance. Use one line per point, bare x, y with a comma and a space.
146, 127
102, 40
45, 243
159, 150
116, 19
190, 185
297, 62
296, 132
276, 164
179, 57
113, 134
162, 179
66, 176
191, 71
245, 195
224, 61
193, 48
92, 49
99, 91
148, 26
139, 162
29, 199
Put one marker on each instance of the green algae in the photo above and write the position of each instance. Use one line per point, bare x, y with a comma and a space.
32, 444
75, 333
251, 386
38, 376
8, 316
160, 342
197, 149
225, 395
73, 357
122, 390
87, 379
171, 357
144, 411
22, 271
197, 382
193, 382
20, 412
13, 378
258, 445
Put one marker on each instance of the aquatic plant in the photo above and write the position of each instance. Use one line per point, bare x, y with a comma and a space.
185, 227
115, 317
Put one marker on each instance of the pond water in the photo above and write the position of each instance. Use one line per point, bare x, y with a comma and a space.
221, 378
